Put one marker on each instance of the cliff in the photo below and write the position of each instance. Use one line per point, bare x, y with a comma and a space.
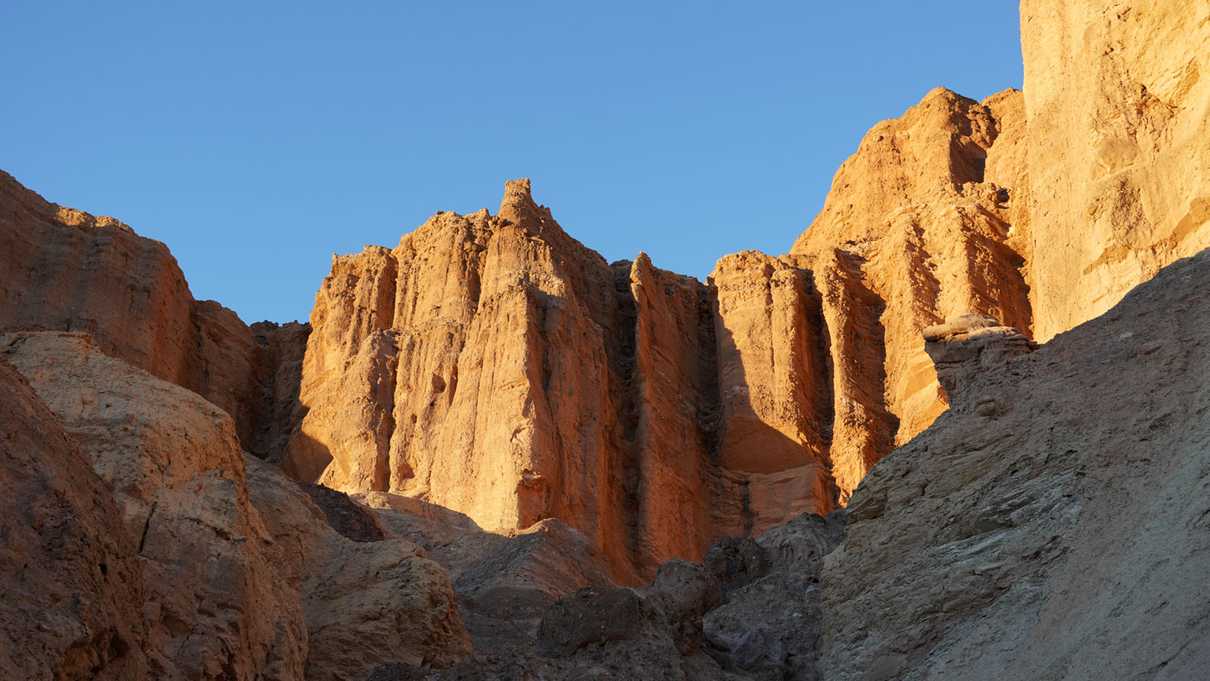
65, 270
493, 365
1118, 105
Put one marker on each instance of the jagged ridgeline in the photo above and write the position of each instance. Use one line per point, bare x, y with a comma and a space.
516, 418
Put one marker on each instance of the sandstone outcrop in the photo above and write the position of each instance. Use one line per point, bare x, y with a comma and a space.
63, 269
69, 576
1118, 105
528, 431
917, 228
1051, 525
492, 365
775, 410
650, 411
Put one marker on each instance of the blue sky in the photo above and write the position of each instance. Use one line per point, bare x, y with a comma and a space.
258, 138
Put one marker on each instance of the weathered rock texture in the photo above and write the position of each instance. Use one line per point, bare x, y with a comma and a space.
768, 625
239, 576
492, 365
495, 366
1052, 524
366, 603
70, 580
1118, 101
916, 229
775, 407
213, 604
63, 269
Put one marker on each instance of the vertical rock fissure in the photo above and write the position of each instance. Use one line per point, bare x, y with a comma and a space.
822, 353
863, 428
382, 465
710, 405
629, 404
825, 390
390, 335
748, 518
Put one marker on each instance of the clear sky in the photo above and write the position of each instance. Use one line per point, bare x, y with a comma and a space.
258, 138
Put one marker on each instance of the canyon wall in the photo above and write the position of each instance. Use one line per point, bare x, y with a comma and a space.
920, 219
1118, 102
1050, 525
494, 365
66, 270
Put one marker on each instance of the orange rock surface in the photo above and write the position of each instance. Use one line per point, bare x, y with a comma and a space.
493, 365
912, 232
1118, 102
65, 270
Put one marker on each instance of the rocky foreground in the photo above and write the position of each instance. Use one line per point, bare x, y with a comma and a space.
1024, 535
493, 455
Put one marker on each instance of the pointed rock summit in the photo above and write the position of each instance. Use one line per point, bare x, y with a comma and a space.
517, 205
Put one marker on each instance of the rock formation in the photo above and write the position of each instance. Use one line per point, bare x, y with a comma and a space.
1118, 106
528, 433
71, 581
235, 580
651, 411
1051, 525
493, 365
918, 226
66, 270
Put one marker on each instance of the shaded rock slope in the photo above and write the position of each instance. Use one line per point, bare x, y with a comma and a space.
164, 553
71, 580
1052, 524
